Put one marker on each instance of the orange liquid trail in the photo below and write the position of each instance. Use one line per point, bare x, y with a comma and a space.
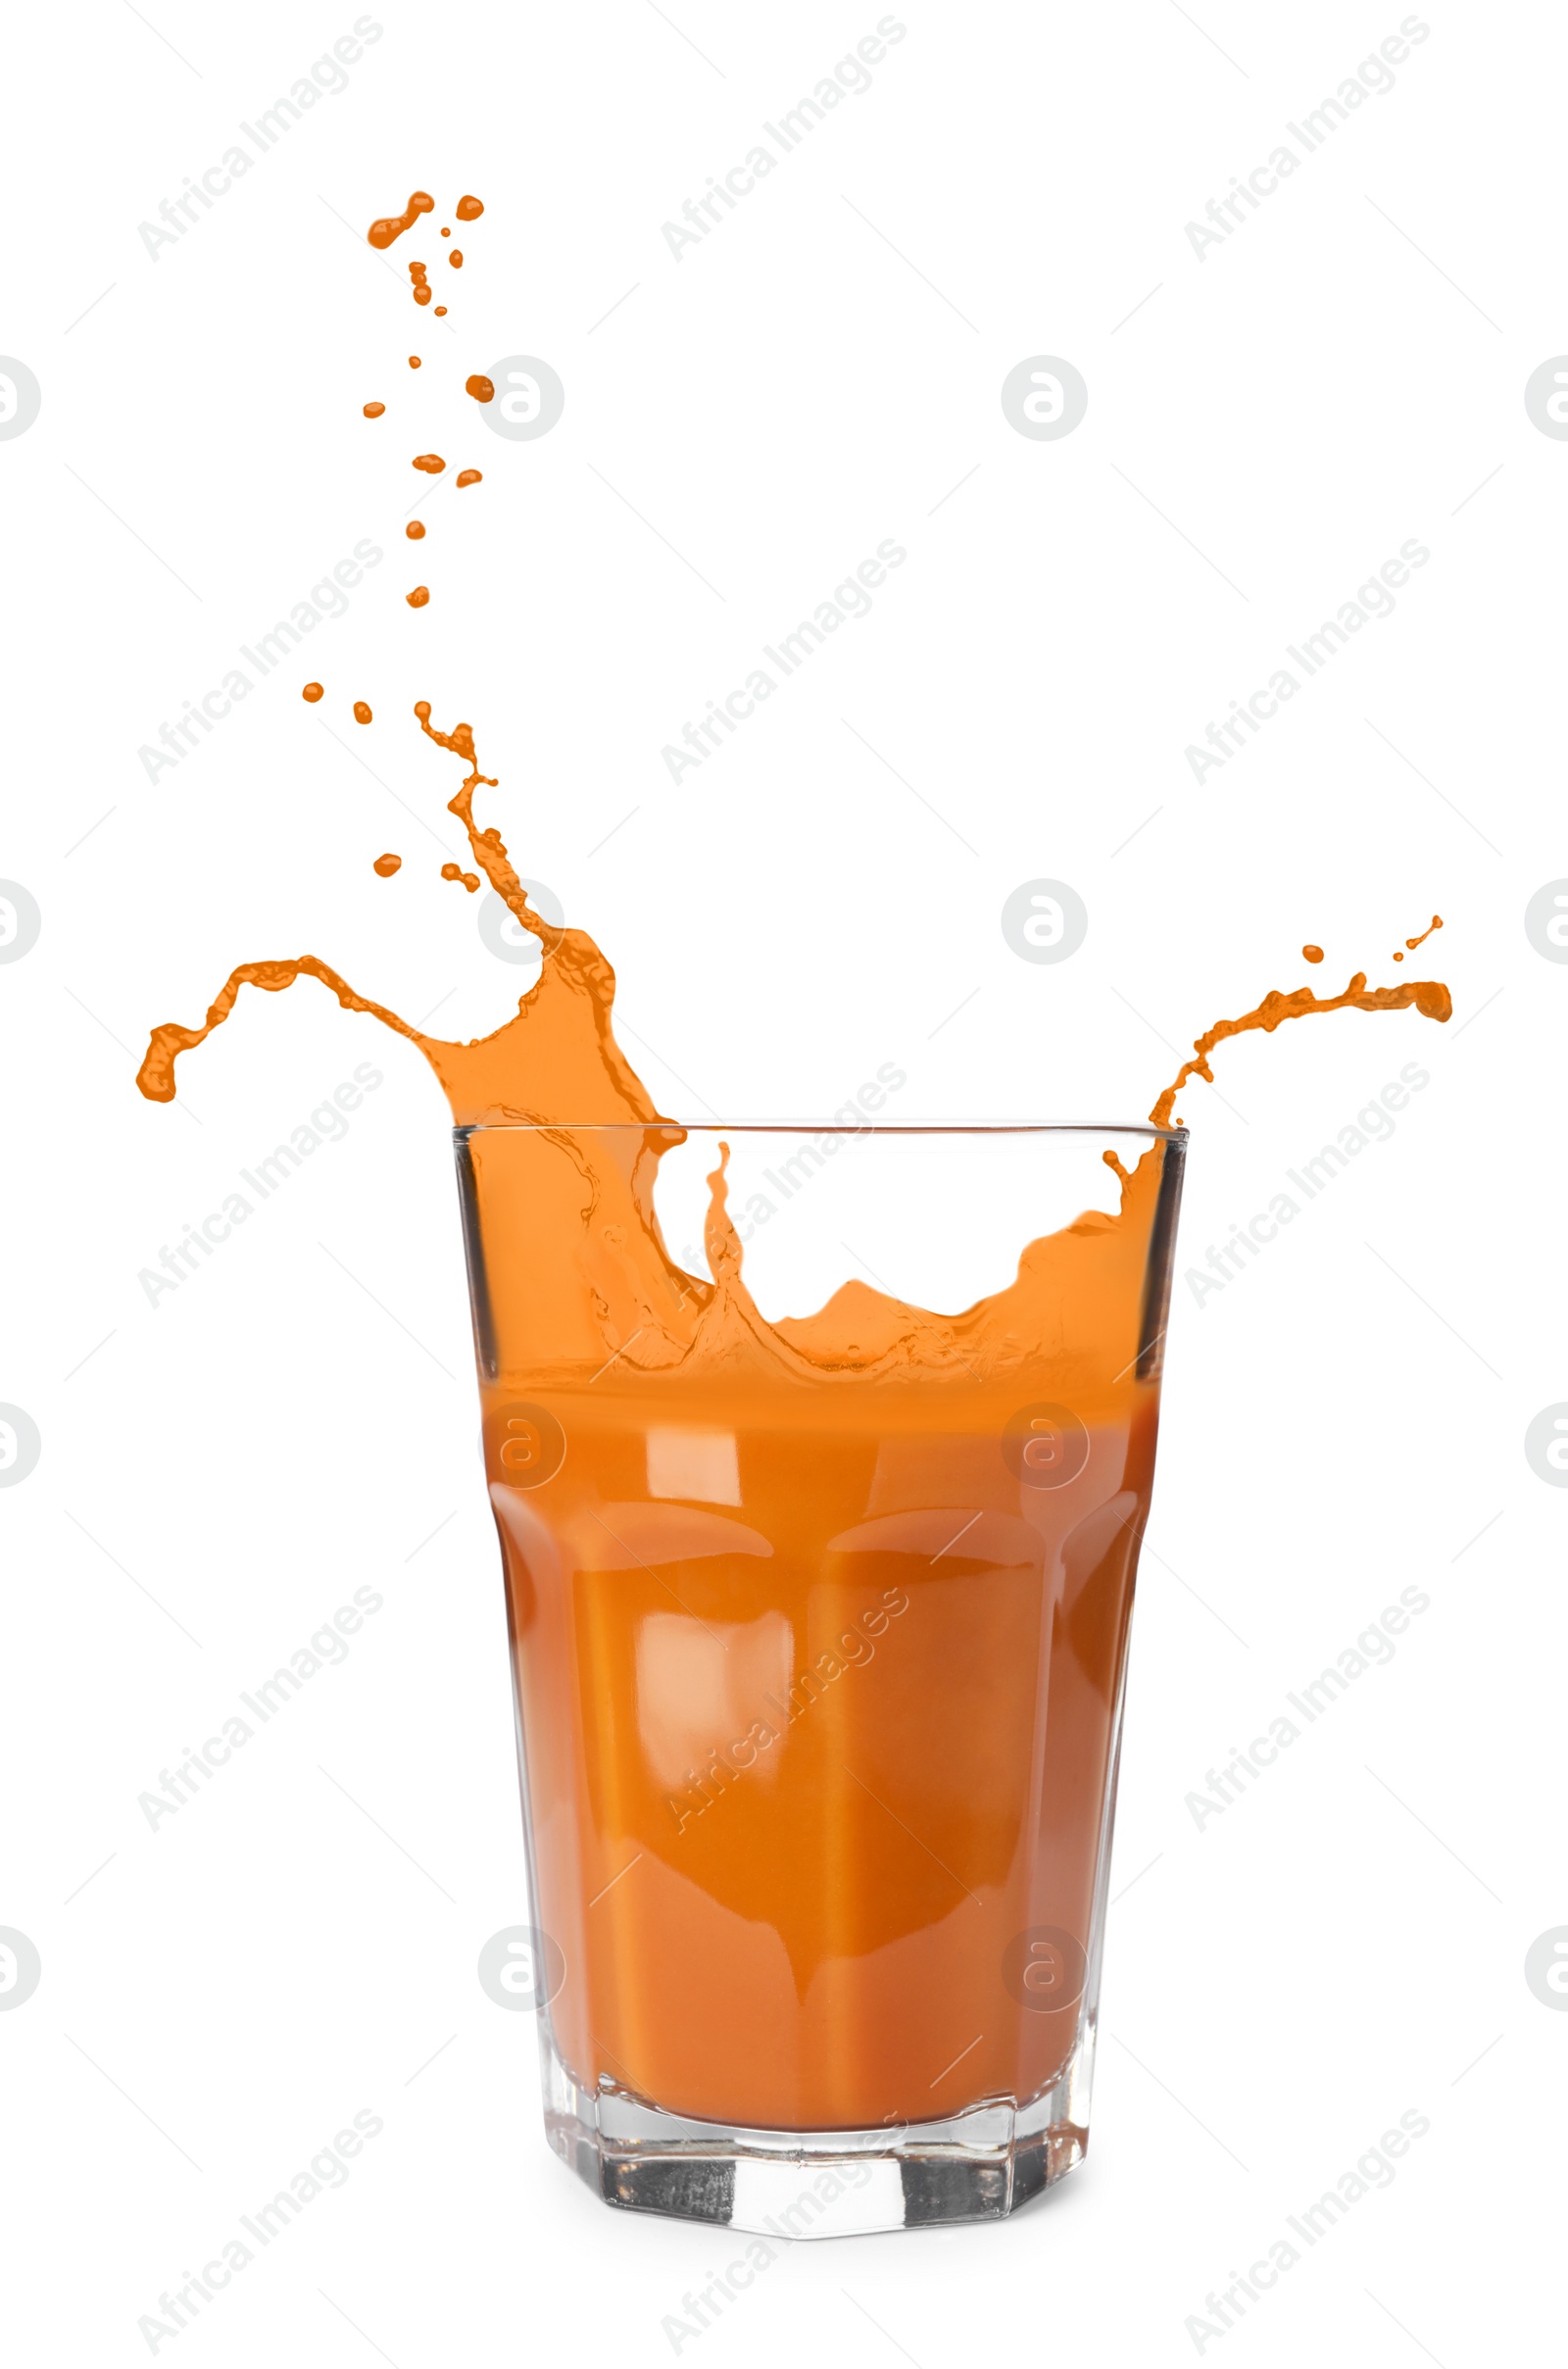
156, 1077
555, 1057
1412, 943
381, 233
1429, 995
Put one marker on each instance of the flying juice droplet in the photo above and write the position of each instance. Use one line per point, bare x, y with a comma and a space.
392, 225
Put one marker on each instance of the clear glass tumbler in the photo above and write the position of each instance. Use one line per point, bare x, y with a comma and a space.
818, 1601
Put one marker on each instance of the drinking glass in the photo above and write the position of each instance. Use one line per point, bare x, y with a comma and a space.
819, 1539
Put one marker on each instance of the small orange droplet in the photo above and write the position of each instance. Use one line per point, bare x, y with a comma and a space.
468, 477
373, 410
445, 234
440, 311
414, 530
455, 259
312, 692
431, 463
482, 389
419, 597
413, 362
422, 709
470, 209
1312, 954
386, 866
362, 714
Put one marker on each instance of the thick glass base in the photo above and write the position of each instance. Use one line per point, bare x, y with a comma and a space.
978, 2165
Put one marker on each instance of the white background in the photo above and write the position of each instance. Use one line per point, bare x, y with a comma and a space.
1265, 427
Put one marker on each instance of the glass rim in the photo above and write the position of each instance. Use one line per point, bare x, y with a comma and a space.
983, 1128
